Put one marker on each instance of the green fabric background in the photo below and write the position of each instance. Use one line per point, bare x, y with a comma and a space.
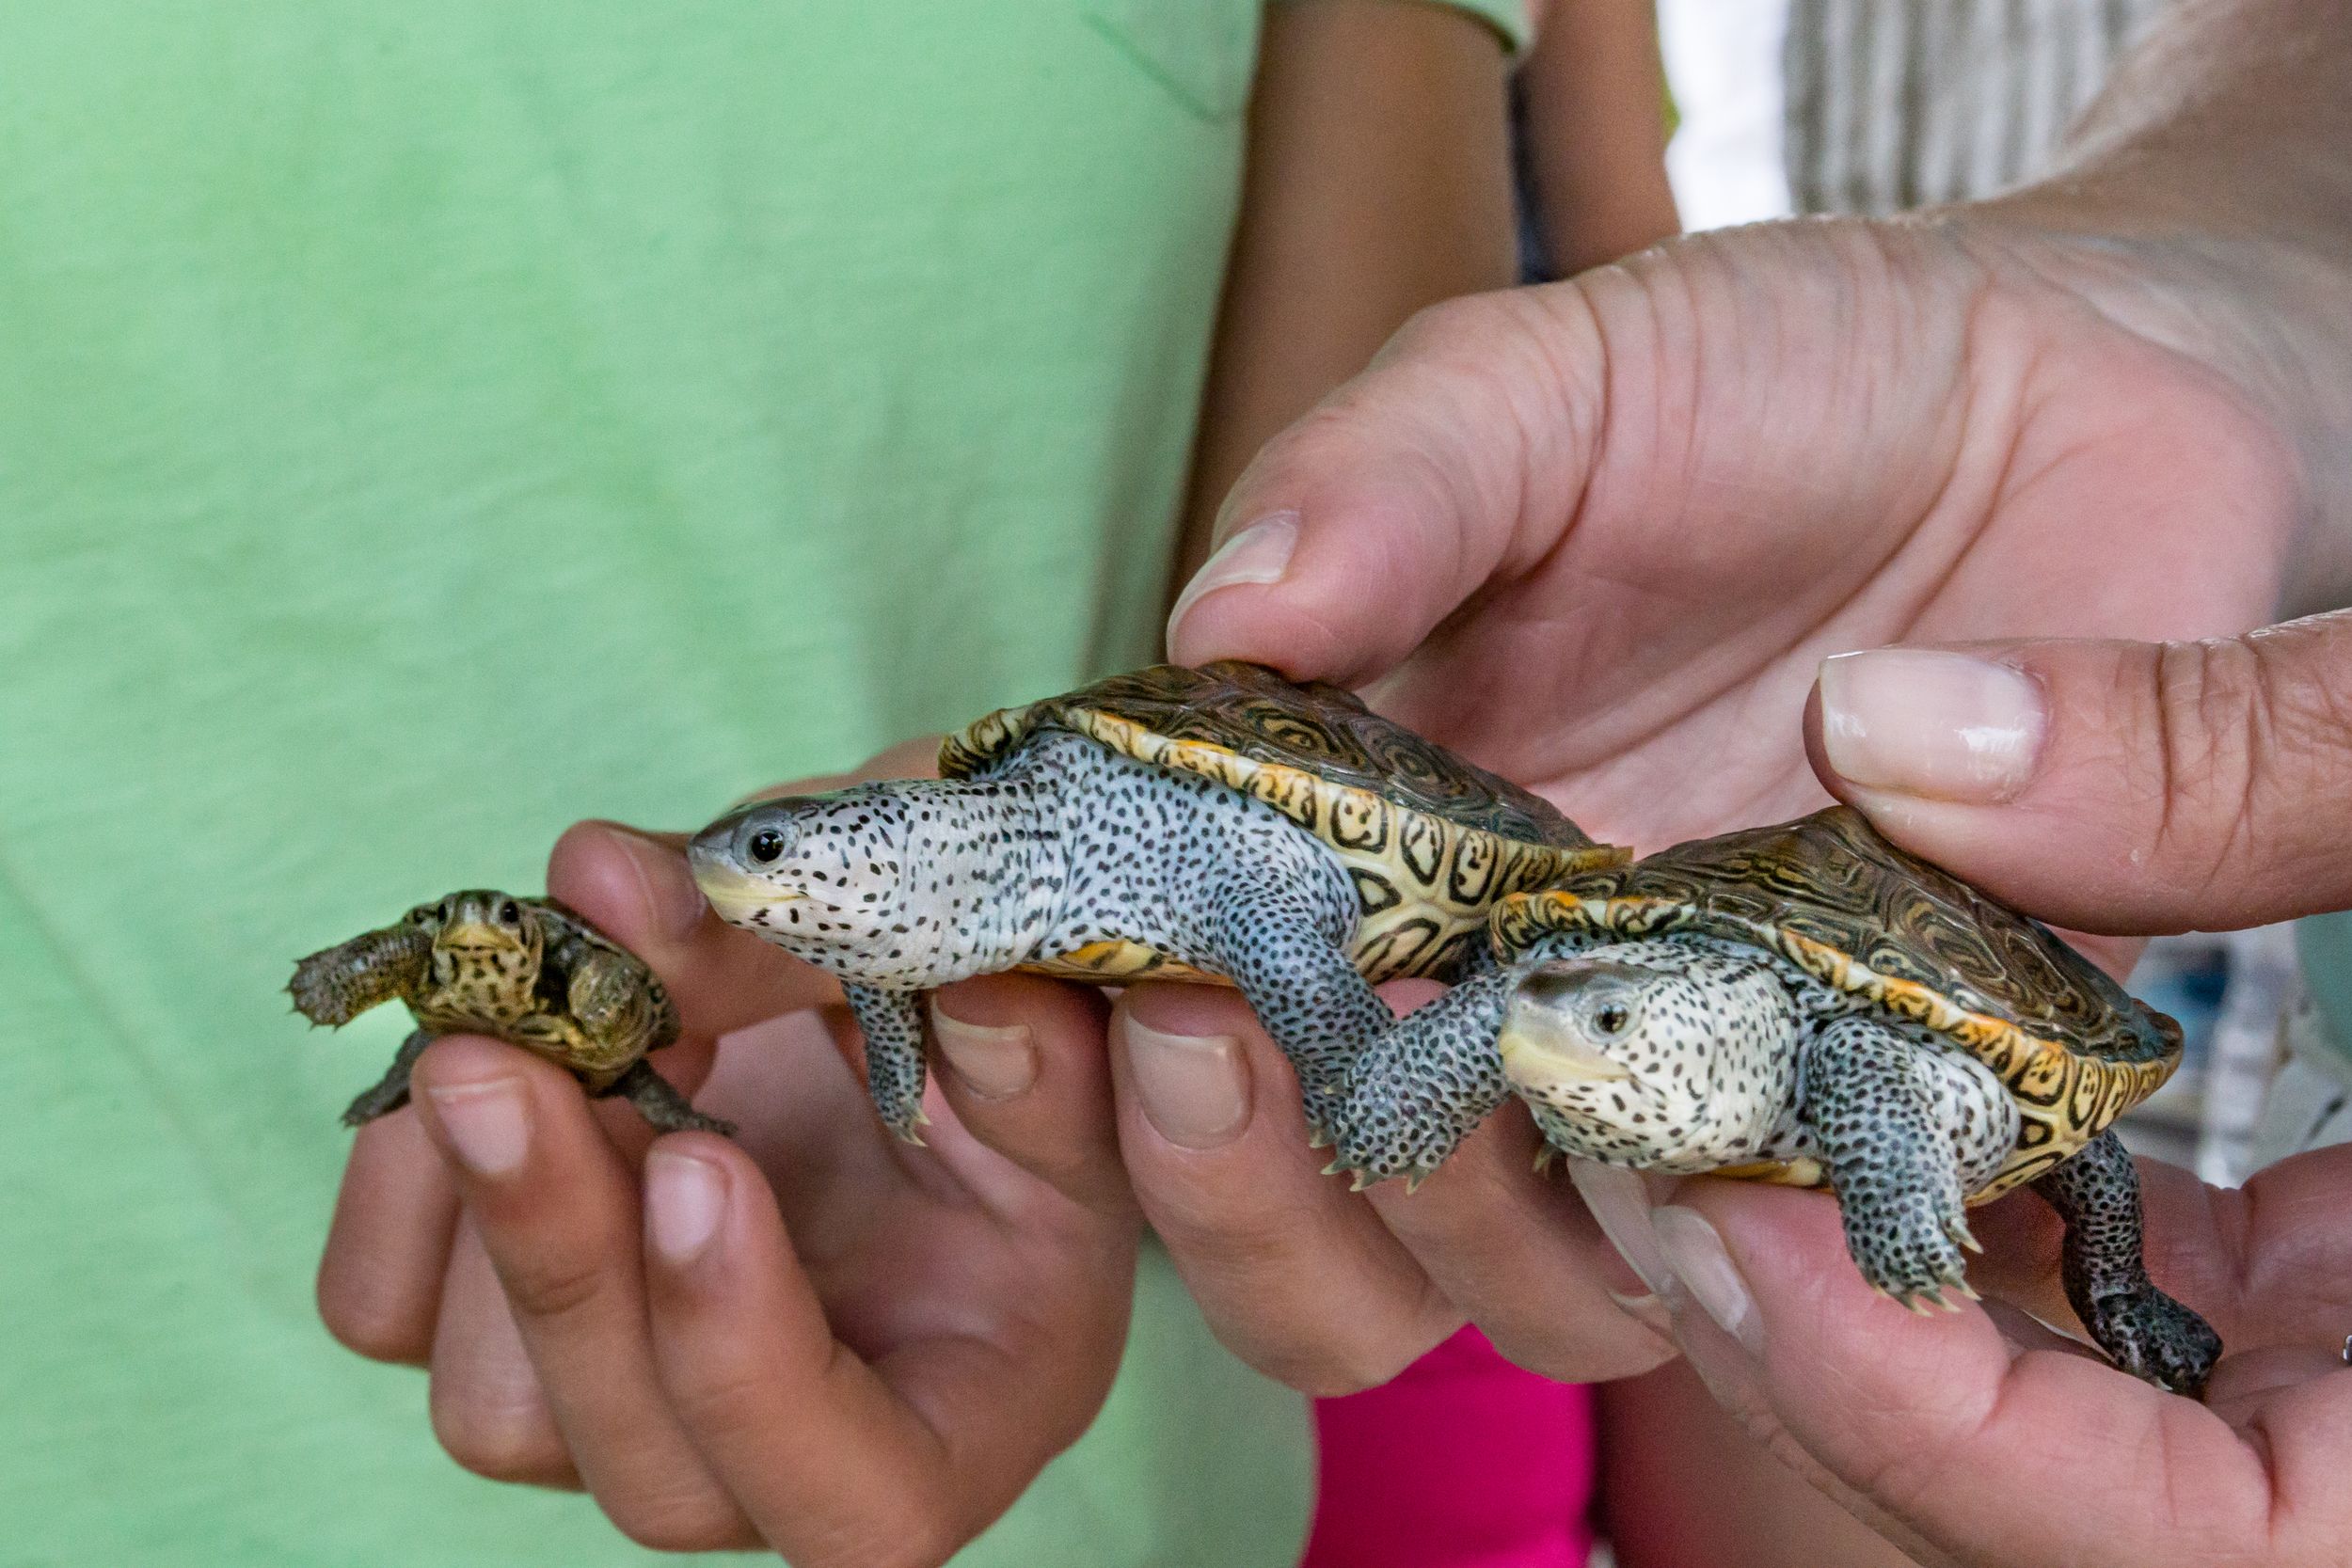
423, 425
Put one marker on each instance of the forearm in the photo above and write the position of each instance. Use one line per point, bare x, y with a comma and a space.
1378, 183
2214, 177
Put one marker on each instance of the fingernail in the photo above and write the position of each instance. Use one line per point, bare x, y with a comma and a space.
1620, 1203
1194, 1089
994, 1061
1259, 553
485, 1124
684, 1199
672, 899
1697, 1255
1924, 722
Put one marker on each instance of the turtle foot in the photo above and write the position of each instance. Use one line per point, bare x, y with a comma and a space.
391, 1090
663, 1107
1905, 1249
2153, 1336
381, 1100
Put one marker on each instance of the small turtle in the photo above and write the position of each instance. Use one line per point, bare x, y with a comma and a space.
528, 971
1808, 1004
1217, 824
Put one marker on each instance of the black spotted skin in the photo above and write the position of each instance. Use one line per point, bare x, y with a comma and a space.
527, 971
1058, 847
2097, 1194
1818, 1011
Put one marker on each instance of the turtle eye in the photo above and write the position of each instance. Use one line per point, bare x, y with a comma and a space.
1612, 1018
766, 847
510, 913
420, 915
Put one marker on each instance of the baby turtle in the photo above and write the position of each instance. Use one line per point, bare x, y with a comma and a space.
1808, 1004
527, 971
1217, 824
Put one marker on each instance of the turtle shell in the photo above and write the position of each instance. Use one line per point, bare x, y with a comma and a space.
1430, 840
549, 1029
1903, 937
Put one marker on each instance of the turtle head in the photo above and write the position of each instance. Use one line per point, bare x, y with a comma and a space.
483, 933
1644, 1052
823, 876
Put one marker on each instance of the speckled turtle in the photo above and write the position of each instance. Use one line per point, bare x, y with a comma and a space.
1808, 1004
528, 971
1212, 824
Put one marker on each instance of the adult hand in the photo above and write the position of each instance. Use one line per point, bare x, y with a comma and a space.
809, 1338
2130, 786
1599, 536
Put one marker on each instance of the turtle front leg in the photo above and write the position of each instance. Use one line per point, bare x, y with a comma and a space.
2148, 1332
336, 986
1424, 1085
1279, 948
391, 1090
1870, 1098
892, 1022
615, 1001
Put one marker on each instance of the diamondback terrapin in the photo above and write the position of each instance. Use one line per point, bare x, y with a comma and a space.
528, 971
1210, 824
1808, 1004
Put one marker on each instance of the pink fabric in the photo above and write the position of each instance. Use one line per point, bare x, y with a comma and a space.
1463, 1462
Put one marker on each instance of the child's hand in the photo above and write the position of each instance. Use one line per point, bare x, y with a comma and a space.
809, 1339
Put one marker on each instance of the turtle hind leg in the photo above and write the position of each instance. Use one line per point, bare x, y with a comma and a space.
1422, 1087
2147, 1333
391, 1090
1282, 937
892, 1022
1890, 1152
659, 1102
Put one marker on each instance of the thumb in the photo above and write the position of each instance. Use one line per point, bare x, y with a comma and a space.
1460, 452
2106, 786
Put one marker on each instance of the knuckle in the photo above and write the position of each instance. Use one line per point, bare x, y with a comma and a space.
692, 1521
2249, 730
379, 1331
512, 1441
1328, 1367
552, 1289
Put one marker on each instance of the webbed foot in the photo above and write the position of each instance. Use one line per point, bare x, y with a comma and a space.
1422, 1087
2153, 1336
1907, 1239
2148, 1332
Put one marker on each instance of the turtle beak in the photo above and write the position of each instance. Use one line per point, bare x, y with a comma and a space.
1543, 1044
477, 936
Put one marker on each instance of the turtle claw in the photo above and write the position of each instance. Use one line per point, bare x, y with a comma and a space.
1958, 1230
1544, 1155
1358, 1181
1413, 1179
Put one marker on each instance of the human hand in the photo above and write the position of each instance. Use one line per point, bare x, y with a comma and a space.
809, 1338
2132, 787
1599, 536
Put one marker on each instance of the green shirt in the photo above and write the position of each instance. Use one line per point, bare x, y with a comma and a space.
426, 424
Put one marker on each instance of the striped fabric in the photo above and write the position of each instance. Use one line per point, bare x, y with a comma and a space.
1898, 103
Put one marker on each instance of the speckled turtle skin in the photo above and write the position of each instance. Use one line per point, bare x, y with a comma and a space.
1220, 824
1807, 1003
527, 971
